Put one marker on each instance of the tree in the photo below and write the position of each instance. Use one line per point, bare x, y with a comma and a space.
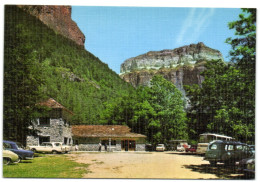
243, 54
225, 103
160, 111
156, 111
22, 82
243, 45
219, 105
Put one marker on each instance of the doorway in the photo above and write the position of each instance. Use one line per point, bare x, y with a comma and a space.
128, 145
44, 139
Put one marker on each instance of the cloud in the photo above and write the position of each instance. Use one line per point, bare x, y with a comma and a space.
192, 26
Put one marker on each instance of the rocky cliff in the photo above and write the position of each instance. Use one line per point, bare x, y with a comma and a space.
57, 18
185, 55
181, 66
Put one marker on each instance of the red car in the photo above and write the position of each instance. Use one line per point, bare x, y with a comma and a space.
193, 149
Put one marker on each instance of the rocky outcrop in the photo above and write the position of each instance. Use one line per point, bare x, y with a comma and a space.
181, 66
184, 75
186, 55
57, 18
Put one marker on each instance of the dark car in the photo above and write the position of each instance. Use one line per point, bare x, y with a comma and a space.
252, 147
23, 154
228, 152
193, 149
247, 166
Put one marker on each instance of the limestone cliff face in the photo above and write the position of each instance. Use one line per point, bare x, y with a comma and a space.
190, 54
181, 66
59, 19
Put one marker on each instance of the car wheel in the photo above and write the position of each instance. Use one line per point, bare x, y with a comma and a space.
54, 152
19, 160
34, 150
6, 161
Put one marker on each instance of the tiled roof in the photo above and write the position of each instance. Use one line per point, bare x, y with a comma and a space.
115, 131
51, 103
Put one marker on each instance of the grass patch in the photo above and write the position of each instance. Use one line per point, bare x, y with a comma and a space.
50, 166
101, 162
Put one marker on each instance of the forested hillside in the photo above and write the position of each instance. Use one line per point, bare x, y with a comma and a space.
42, 63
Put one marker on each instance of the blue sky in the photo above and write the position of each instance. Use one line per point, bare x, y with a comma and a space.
115, 34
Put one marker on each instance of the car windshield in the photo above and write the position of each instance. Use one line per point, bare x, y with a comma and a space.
19, 146
213, 146
160, 145
43, 144
252, 147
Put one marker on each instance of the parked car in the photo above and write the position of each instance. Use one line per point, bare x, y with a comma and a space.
9, 157
228, 152
192, 149
149, 147
22, 154
180, 148
49, 147
67, 148
160, 147
247, 165
252, 148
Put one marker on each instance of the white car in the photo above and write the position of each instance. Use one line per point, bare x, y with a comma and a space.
160, 147
49, 147
67, 148
180, 148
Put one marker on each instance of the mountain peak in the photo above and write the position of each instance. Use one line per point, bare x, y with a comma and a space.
57, 18
189, 54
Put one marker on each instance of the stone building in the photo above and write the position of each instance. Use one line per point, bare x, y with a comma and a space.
116, 137
54, 126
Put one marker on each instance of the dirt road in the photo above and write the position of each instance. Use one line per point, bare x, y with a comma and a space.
162, 165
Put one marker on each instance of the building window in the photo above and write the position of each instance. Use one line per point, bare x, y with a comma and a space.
65, 140
44, 121
44, 139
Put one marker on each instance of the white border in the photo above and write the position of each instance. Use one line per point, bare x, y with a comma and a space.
134, 3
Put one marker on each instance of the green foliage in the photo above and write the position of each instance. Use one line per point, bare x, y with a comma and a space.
155, 111
40, 63
221, 105
226, 101
61, 167
243, 45
22, 81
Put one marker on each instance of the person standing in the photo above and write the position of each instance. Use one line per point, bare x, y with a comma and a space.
105, 147
99, 147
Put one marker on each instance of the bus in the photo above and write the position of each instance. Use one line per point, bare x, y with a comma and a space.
206, 138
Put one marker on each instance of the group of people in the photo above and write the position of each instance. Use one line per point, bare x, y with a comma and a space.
100, 146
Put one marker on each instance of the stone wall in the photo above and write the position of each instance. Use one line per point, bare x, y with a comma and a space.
56, 131
140, 147
88, 147
91, 144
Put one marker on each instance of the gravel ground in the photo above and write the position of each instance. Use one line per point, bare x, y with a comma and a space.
156, 165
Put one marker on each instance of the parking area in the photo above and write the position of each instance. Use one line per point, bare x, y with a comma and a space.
156, 165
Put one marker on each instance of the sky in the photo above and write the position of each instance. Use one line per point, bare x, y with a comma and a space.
115, 34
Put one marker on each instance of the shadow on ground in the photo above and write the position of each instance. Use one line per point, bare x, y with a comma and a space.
26, 161
186, 153
222, 171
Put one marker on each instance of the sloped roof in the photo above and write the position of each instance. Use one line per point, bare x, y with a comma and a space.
116, 131
51, 103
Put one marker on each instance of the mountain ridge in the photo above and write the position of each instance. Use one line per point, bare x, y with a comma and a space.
168, 58
57, 18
